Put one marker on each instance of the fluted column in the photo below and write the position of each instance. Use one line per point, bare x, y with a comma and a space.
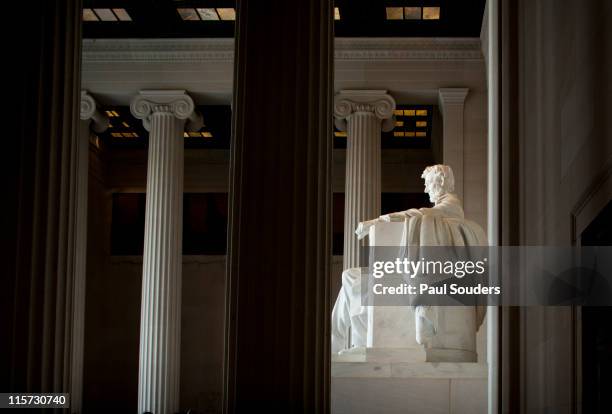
164, 114
91, 119
363, 114
451, 101
37, 225
277, 357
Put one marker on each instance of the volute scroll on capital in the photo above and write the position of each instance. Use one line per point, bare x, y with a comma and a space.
88, 106
177, 103
378, 103
89, 111
382, 108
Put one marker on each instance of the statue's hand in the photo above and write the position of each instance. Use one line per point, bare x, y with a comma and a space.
363, 228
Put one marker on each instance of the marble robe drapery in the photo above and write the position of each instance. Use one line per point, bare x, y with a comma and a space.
442, 225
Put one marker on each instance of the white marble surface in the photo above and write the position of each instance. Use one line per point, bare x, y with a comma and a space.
396, 354
390, 396
362, 114
445, 370
448, 388
395, 326
391, 327
164, 114
408, 396
451, 103
468, 396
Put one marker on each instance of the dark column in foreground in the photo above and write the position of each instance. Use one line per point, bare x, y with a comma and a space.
39, 225
280, 202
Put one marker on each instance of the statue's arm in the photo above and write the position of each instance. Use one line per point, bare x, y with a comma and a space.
401, 215
364, 227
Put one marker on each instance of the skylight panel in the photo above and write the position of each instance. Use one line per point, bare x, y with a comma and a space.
122, 15
188, 14
412, 13
431, 13
395, 13
197, 134
106, 15
89, 16
208, 14
226, 13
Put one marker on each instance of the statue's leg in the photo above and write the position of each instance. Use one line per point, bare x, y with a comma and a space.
426, 324
340, 323
351, 284
359, 328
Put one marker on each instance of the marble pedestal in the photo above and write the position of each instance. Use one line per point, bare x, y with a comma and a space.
408, 388
391, 330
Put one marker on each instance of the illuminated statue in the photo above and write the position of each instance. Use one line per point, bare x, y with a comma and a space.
443, 224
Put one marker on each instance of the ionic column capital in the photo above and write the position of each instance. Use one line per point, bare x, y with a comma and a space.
175, 102
377, 102
89, 111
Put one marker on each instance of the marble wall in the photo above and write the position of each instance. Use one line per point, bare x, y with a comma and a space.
411, 395
563, 137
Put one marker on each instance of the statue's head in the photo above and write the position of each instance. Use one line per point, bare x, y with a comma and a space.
439, 180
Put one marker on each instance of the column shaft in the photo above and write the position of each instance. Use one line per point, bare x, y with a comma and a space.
90, 117
362, 186
279, 250
363, 114
160, 324
451, 101
80, 268
163, 114
38, 220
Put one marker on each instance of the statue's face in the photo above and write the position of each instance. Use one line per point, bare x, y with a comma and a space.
432, 187
428, 183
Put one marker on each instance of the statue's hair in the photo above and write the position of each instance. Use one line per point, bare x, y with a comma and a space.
443, 176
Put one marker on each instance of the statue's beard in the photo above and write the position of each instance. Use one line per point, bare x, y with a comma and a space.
435, 194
